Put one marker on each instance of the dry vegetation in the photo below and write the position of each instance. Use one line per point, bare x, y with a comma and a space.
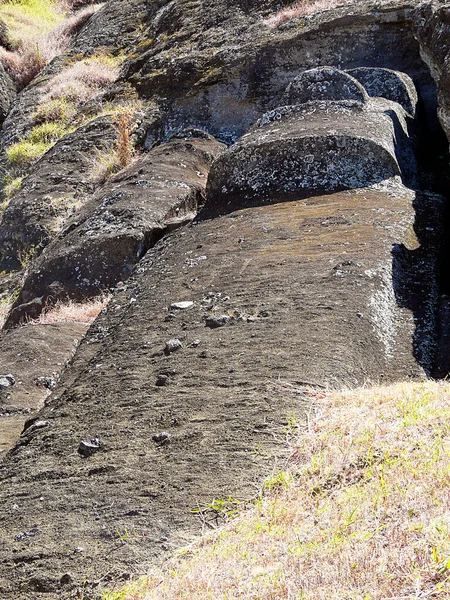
70, 311
302, 8
363, 514
107, 163
5, 305
38, 30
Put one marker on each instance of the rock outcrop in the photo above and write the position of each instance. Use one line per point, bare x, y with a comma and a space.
317, 260
7, 92
162, 190
37, 355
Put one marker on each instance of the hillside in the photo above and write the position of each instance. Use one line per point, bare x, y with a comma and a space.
214, 216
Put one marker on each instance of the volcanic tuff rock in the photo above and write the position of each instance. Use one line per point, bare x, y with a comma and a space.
316, 146
324, 83
56, 186
161, 190
33, 351
385, 83
316, 260
7, 93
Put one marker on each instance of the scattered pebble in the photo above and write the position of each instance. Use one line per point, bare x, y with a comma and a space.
181, 305
87, 448
217, 321
172, 346
20, 537
6, 381
162, 380
46, 382
161, 438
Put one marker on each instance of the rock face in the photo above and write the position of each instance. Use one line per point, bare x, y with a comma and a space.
316, 261
7, 91
53, 191
392, 85
432, 21
37, 351
163, 189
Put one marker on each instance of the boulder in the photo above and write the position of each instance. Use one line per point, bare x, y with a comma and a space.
389, 84
161, 190
324, 83
310, 148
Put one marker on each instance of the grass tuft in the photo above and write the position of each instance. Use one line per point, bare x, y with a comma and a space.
25, 152
302, 8
70, 311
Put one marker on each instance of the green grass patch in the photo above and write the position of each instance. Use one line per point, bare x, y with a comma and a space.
25, 152
30, 19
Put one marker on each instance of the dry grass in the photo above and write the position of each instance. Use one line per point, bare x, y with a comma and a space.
124, 146
302, 9
83, 80
38, 31
108, 163
5, 306
364, 514
70, 311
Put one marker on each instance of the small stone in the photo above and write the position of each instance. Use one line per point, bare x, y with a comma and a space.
172, 346
20, 537
66, 579
217, 321
162, 380
181, 305
79, 549
87, 448
6, 381
46, 382
161, 438
169, 317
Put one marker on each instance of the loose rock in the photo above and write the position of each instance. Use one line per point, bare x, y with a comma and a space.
46, 382
173, 345
87, 448
6, 381
161, 438
218, 321
181, 305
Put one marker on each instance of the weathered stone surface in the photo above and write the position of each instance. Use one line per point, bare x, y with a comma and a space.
226, 91
389, 84
7, 92
109, 235
433, 31
33, 352
324, 83
335, 286
54, 190
318, 146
